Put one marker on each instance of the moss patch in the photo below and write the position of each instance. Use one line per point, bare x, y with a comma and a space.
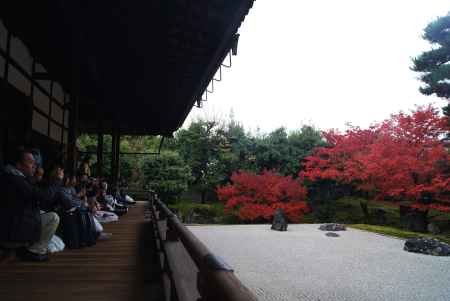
396, 232
214, 210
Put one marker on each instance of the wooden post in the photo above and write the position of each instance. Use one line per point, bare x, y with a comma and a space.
113, 158
115, 166
73, 134
117, 159
100, 153
73, 116
30, 109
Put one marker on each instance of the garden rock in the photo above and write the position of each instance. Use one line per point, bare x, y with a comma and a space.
332, 227
332, 234
433, 228
428, 246
279, 222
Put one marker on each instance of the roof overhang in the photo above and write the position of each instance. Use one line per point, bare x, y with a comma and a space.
136, 66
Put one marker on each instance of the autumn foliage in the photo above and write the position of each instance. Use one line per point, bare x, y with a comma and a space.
401, 158
253, 197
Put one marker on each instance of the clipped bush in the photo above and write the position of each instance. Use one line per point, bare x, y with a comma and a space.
254, 198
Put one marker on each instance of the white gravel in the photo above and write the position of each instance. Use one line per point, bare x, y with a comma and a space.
304, 264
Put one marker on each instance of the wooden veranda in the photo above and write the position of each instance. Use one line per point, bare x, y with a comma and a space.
117, 269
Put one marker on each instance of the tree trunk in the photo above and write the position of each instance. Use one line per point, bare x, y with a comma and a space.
413, 219
203, 196
365, 211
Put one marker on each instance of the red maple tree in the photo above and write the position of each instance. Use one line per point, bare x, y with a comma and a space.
253, 197
401, 158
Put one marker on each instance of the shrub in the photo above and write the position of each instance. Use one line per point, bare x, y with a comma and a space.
254, 198
167, 175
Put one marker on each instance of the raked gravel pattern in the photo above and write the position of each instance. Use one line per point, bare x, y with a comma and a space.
304, 264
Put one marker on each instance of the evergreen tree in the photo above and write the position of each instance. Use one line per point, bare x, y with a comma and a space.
200, 146
167, 174
434, 64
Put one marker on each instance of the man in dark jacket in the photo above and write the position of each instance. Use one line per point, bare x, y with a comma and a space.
21, 221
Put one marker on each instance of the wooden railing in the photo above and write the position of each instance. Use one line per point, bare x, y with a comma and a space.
190, 271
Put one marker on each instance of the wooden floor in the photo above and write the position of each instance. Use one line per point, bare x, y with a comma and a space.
123, 268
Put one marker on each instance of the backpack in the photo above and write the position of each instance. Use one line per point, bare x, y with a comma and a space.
78, 228
88, 234
70, 229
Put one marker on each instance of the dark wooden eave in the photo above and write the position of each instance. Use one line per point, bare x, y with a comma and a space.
138, 65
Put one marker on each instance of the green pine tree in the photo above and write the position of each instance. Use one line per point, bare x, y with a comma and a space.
434, 64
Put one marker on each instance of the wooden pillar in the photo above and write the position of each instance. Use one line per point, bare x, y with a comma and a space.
117, 159
115, 166
29, 110
3, 124
113, 157
73, 135
73, 115
100, 154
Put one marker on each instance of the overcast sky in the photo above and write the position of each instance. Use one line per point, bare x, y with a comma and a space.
324, 62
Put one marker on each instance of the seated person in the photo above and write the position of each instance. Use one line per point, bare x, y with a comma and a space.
83, 179
64, 195
94, 208
21, 221
58, 198
37, 176
78, 189
122, 198
69, 192
121, 193
103, 216
116, 205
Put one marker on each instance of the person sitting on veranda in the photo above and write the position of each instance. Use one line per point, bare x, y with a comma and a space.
58, 199
38, 175
21, 220
78, 189
69, 192
81, 200
85, 168
101, 212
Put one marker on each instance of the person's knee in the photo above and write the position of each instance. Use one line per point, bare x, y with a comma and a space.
53, 218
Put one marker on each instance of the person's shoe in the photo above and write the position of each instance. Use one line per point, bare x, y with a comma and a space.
104, 236
130, 200
26, 255
120, 204
120, 211
71, 210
